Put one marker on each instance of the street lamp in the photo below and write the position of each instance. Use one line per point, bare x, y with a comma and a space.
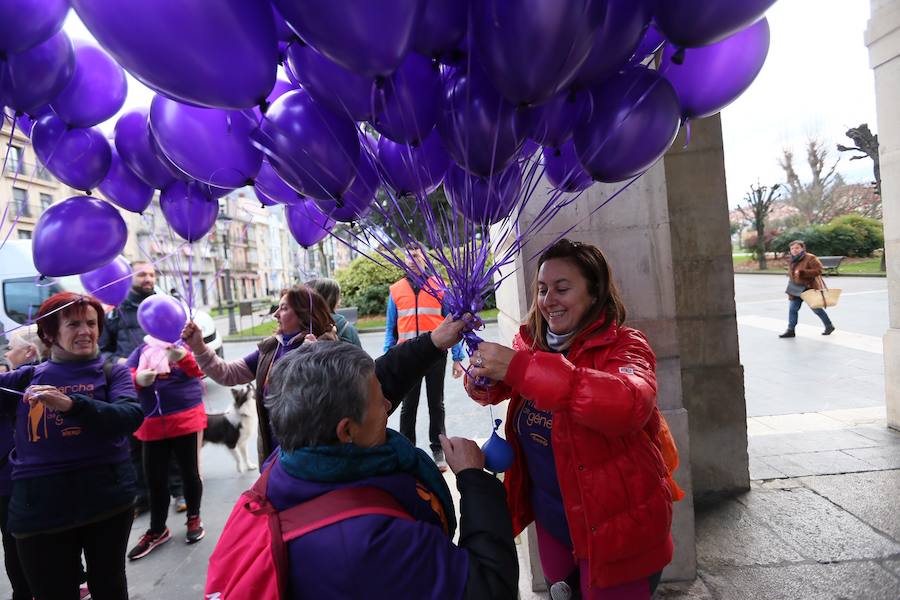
222, 222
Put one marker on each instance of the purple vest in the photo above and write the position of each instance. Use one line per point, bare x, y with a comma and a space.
171, 393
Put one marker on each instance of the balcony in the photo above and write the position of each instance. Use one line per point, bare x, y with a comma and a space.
33, 171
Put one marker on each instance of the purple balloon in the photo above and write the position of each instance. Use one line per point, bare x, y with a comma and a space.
692, 23
498, 453
26, 23
123, 188
270, 186
135, 145
338, 88
188, 210
96, 91
615, 41
563, 169
162, 317
307, 224
313, 149
635, 119
283, 31
413, 169
483, 200
712, 77
221, 54
77, 235
264, 199
369, 38
651, 42
481, 131
281, 87
79, 158
209, 144
406, 106
356, 202
34, 77
531, 49
553, 122
442, 27
99, 282
528, 149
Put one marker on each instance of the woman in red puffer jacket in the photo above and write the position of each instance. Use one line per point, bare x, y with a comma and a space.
585, 429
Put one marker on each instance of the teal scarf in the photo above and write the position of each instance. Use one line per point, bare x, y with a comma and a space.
346, 462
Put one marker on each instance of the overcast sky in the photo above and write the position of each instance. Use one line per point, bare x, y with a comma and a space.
816, 81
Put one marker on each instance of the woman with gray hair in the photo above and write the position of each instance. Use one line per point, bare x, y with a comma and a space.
327, 408
330, 290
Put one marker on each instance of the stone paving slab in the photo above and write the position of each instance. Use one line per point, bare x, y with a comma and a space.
872, 497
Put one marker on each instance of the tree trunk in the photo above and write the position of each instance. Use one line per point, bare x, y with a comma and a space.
884, 261
761, 247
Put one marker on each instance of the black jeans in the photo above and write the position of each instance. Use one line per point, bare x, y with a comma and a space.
157, 455
20, 588
52, 561
434, 391
137, 459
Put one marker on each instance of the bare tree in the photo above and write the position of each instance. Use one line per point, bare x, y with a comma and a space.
760, 199
867, 143
814, 198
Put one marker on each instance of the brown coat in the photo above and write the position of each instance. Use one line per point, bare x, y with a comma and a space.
807, 271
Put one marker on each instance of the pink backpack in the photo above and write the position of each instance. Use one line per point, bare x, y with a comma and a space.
250, 559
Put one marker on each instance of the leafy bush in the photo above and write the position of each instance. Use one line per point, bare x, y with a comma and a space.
848, 235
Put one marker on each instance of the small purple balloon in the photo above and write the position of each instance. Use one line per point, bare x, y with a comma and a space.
336, 87
615, 41
480, 130
692, 23
406, 105
442, 27
209, 144
413, 169
564, 171
77, 235
162, 317
553, 122
356, 203
79, 158
272, 187
498, 453
369, 38
96, 91
712, 77
34, 77
483, 200
136, 148
532, 49
307, 223
313, 149
188, 210
123, 188
222, 54
26, 23
635, 120
99, 282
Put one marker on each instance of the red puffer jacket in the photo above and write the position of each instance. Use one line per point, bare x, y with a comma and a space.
612, 476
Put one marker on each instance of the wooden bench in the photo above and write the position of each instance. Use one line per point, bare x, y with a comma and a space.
830, 264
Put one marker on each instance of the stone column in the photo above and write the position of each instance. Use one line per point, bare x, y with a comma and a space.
883, 40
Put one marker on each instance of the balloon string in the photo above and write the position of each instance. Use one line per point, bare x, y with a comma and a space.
11, 391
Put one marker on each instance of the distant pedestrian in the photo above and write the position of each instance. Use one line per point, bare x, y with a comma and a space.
805, 274
330, 290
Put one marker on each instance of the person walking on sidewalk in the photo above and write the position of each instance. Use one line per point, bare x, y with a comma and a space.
169, 387
805, 273
412, 311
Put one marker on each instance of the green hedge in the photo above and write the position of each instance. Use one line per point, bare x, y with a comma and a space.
848, 235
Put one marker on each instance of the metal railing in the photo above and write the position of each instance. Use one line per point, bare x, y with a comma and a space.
23, 169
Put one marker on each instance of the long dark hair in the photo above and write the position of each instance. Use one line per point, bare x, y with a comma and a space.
592, 264
310, 308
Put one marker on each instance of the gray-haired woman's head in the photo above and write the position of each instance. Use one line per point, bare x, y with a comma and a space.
25, 347
329, 289
313, 388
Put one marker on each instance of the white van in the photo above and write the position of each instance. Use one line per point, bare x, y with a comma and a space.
22, 292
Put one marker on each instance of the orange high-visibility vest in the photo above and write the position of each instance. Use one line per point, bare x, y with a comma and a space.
416, 313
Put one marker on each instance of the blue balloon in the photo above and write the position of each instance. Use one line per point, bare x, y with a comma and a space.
498, 454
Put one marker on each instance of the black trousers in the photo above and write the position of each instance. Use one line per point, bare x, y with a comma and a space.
157, 455
20, 588
434, 391
137, 459
52, 562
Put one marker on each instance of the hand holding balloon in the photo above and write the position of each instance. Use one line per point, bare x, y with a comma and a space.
461, 454
193, 337
491, 361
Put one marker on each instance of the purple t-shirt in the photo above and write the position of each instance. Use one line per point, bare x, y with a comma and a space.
49, 442
533, 427
170, 393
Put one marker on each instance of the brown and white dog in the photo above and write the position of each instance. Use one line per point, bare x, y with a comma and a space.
234, 427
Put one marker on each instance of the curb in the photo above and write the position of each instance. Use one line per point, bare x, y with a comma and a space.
237, 340
784, 274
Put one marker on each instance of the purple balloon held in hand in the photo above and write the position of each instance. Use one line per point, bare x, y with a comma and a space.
26, 23
620, 32
483, 200
413, 169
406, 105
692, 23
77, 235
136, 148
79, 158
563, 169
162, 317
334, 86
124, 188
34, 77
307, 223
712, 77
553, 122
99, 282
188, 210
356, 202
269, 186
96, 91
442, 27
